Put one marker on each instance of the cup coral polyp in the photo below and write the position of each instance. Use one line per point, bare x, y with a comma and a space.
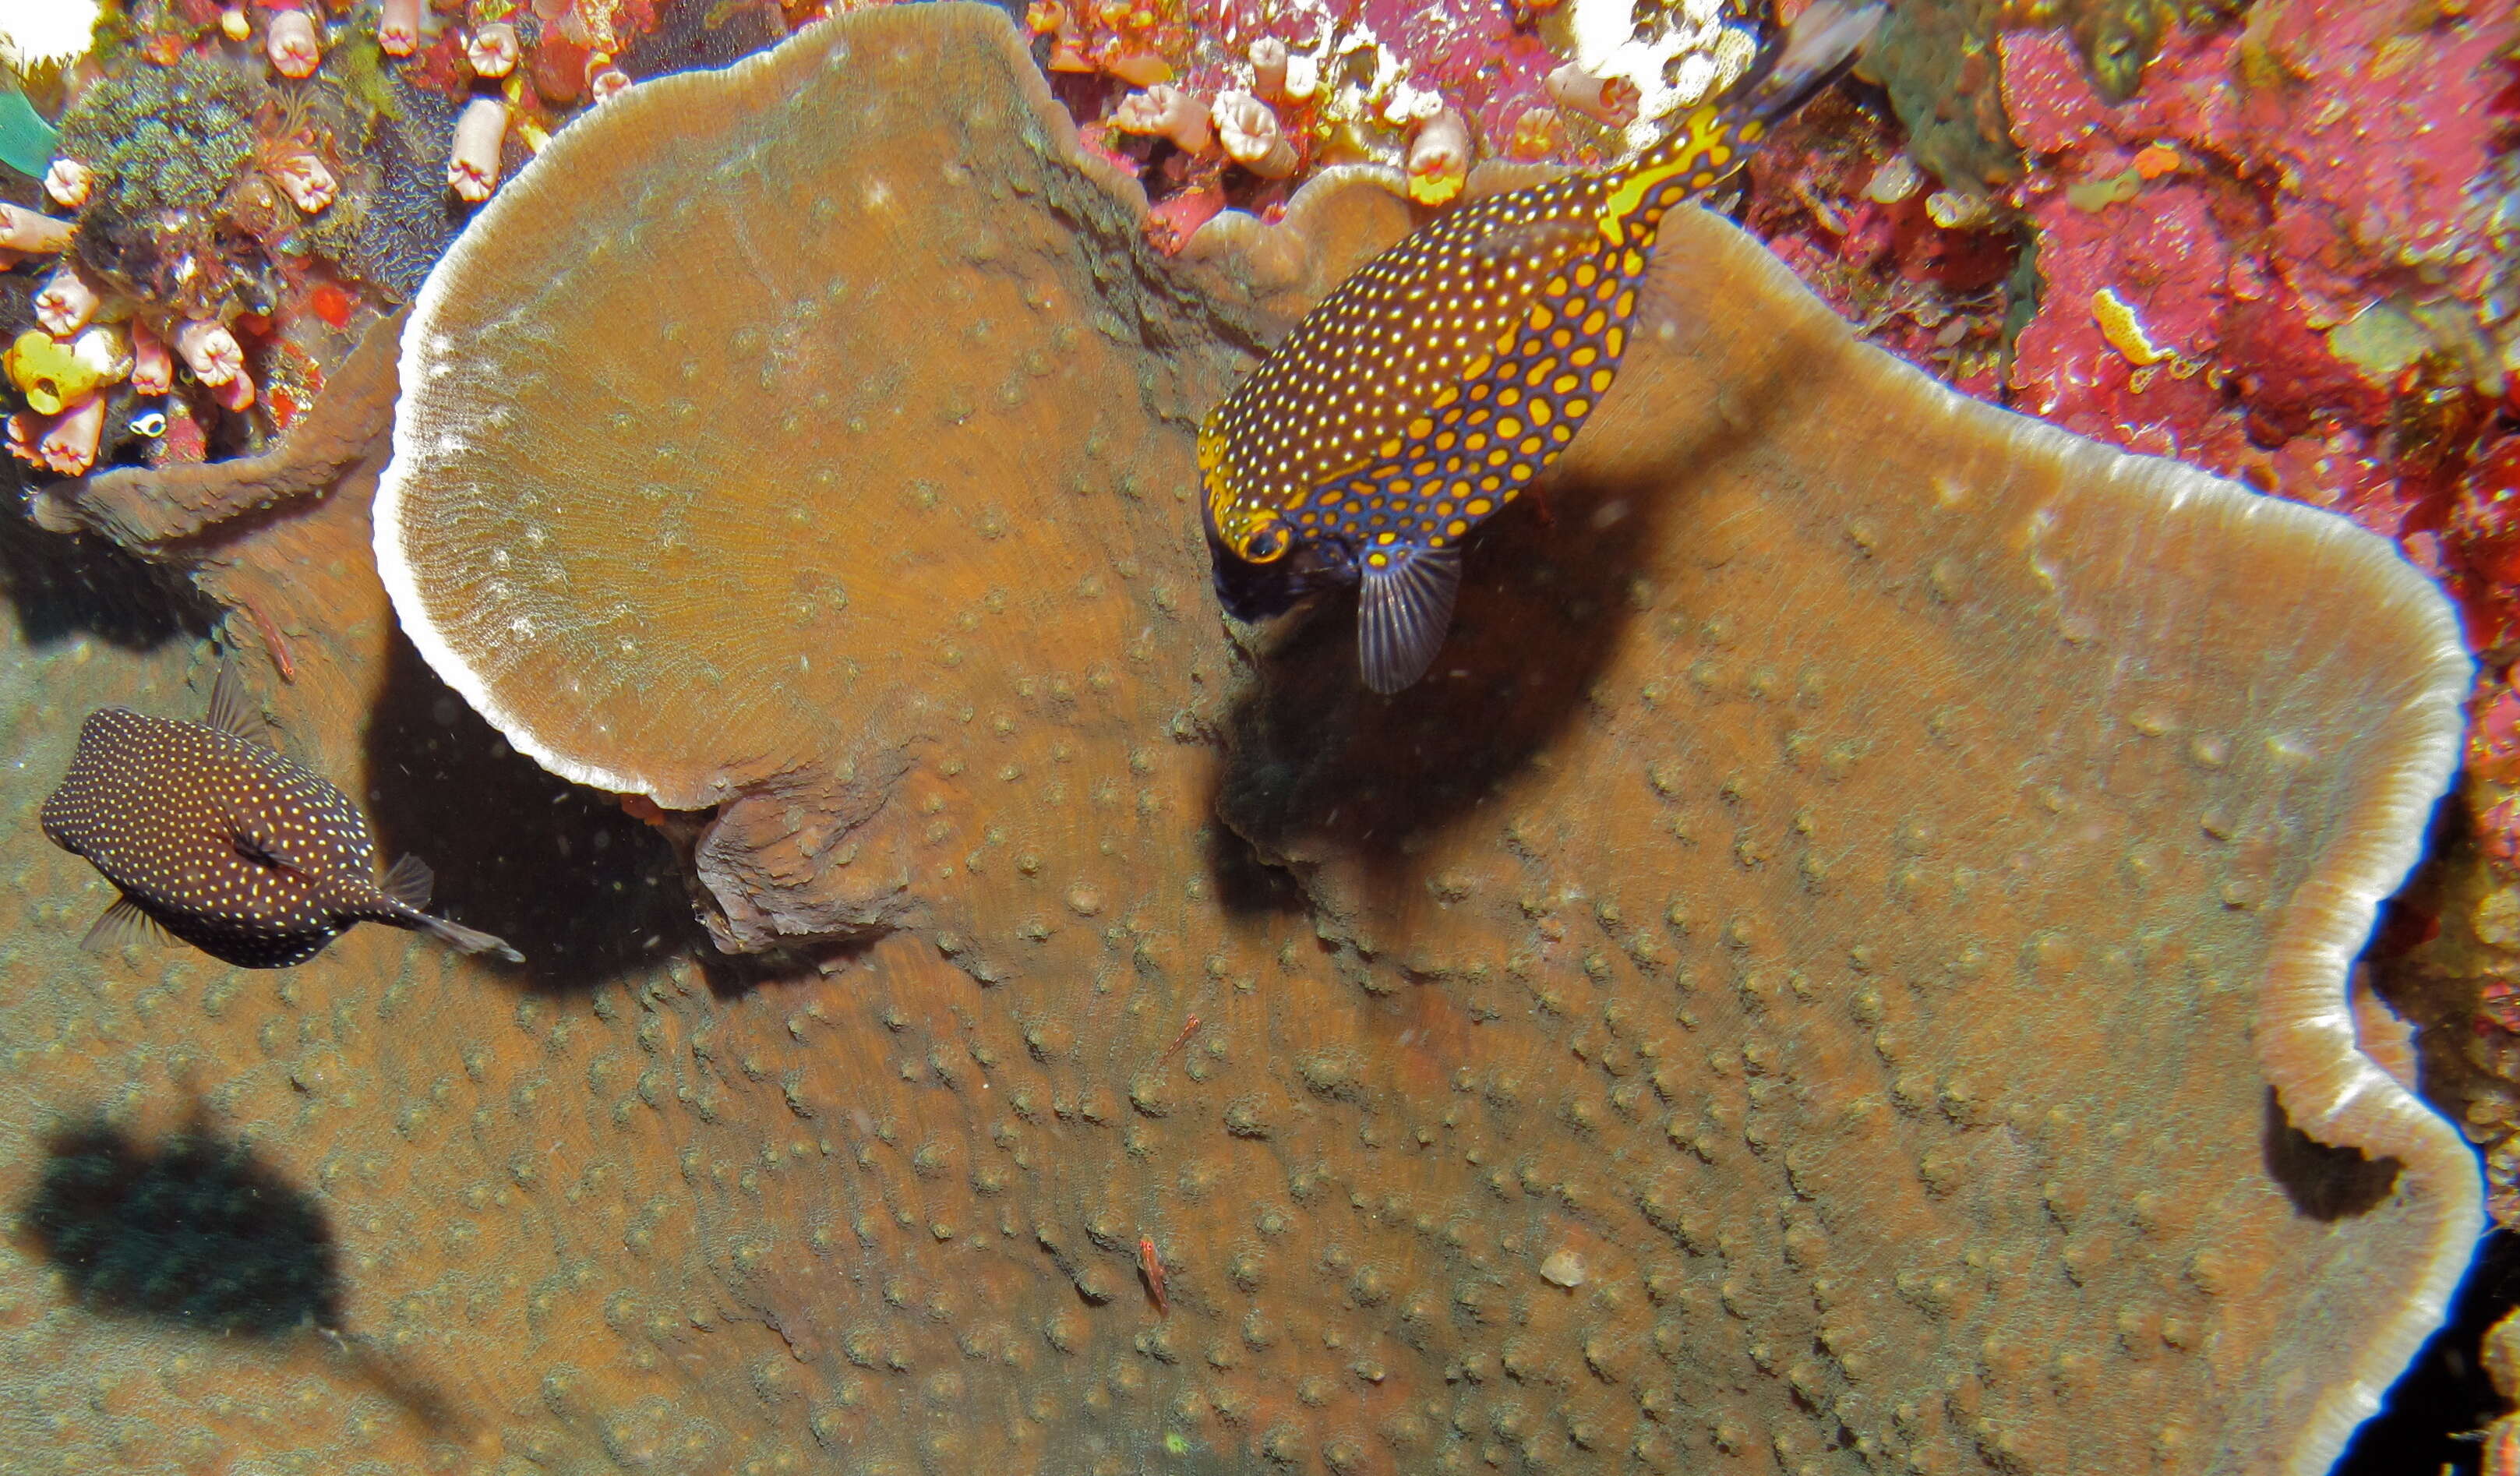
68, 183
398, 26
480, 133
67, 302
1167, 111
211, 350
493, 50
63, 443
1439, 159
1251, 135
293, 44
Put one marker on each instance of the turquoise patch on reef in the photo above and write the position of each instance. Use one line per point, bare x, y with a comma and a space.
25, 140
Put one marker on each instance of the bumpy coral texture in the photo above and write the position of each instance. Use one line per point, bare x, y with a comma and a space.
1846, 952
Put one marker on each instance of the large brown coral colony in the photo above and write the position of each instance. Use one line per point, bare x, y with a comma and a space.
1842, 964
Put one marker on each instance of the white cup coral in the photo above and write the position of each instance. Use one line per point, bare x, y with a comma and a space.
1252, 136
1167, 111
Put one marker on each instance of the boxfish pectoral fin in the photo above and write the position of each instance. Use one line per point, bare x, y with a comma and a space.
126, 922
265, 844
1402, 611
1539, 247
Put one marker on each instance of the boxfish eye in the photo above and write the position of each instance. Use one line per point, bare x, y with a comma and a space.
1267, 543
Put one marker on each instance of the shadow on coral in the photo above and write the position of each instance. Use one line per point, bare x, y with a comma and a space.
733, 975
62, 587
1318, 760
586, 892
2325, 1181
193, 1231
1550, 585
1248, 886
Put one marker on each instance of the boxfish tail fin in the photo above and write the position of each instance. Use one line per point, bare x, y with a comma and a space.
407, 886
456, 935
1402, 611
1822, 43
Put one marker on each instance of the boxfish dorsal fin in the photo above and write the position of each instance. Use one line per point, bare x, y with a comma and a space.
410, 881
234, 709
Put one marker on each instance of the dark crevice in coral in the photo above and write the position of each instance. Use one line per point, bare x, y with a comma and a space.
2326, 1181
731, 976
588, 893
62, 587
1167, 307
2429, 1421
696, 36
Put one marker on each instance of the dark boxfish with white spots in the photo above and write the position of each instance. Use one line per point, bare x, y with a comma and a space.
1429, 390
215, 838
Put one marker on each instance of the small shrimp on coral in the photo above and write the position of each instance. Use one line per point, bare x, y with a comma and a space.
1151, 1264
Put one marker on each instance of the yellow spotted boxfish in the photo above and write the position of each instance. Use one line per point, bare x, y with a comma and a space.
1430, 388
213, 837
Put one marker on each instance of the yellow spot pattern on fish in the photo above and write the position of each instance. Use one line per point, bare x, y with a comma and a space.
1425, 392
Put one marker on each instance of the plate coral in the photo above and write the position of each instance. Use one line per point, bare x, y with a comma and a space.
1843, 965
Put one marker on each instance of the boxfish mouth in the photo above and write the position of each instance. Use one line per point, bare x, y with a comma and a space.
1259, 591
